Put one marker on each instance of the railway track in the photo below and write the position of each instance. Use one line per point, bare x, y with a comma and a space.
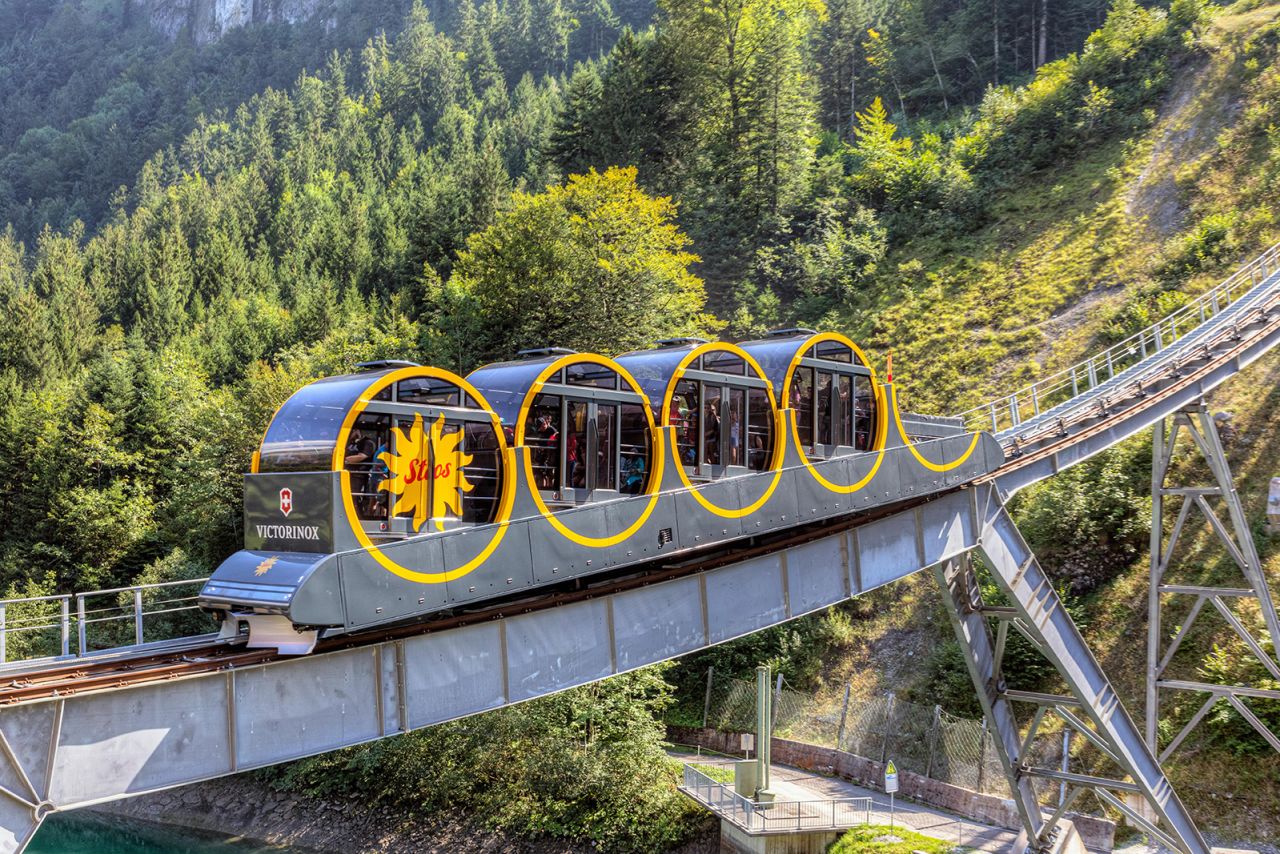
71, 678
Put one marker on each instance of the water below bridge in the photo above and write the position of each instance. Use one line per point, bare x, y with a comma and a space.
97, 834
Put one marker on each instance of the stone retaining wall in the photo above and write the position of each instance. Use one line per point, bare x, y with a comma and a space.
1098, 834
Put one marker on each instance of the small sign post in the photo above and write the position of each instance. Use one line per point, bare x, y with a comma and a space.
1273, 507
890, 786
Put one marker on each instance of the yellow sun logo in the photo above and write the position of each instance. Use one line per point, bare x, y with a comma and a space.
427, 476
262, 568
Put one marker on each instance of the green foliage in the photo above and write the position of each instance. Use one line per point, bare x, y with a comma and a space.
595, 265
1232, 663
1206, 245
587, 764
1092, 520
882, 839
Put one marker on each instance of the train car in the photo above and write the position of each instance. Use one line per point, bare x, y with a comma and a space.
401, 491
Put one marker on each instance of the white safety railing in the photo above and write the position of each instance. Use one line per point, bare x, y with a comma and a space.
775, 816
42, 627
1031, 401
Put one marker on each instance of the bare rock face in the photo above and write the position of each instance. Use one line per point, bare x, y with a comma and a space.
206, 21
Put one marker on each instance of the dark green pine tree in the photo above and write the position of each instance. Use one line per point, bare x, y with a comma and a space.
575, 142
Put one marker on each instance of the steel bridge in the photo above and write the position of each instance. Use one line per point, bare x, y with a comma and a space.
87, 725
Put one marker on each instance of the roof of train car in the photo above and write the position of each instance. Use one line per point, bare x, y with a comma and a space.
777, 352
653, 369
307, 425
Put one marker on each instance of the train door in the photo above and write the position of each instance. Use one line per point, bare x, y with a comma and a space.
586, 450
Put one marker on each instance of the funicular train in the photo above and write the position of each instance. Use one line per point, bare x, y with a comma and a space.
403, 491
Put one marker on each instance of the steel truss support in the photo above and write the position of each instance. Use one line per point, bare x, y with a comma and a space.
1090, 707
1236, 537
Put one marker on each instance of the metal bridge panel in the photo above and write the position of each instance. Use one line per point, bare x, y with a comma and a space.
16, 825
888, 550
745, 597
451, 674
134, 741
305, 706
551, 650
816, 575
657, 622
947, 527
28, 730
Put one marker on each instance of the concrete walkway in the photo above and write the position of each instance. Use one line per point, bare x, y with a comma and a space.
793, 784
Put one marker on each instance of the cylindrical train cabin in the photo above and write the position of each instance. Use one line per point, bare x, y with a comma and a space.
829, 384
717, 399
418, 448
584, 420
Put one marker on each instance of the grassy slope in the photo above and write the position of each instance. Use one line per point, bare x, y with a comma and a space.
1032, 292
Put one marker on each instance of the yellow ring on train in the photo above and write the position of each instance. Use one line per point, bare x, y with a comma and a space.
882, 421
659, 451
780, 438
501, 515
931, 466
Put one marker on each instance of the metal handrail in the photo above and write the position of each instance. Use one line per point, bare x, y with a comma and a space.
774, 816
1052, 391
136, 611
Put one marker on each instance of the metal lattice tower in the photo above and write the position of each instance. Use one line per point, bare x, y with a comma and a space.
1234, 535
1090, 706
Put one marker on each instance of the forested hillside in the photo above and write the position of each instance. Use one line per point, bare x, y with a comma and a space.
199, 225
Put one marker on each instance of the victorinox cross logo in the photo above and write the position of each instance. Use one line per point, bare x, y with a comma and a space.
286, 501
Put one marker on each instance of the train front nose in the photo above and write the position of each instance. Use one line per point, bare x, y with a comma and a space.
283, 598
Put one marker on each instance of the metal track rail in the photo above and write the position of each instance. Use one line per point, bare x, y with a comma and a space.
67, 678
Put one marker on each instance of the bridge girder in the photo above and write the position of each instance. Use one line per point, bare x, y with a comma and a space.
85, 749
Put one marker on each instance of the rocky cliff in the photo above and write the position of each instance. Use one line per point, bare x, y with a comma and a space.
205, 21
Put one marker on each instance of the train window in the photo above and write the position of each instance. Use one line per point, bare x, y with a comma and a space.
579, 446
481, 443
633, 449
606, 450
575, 444
724, 363
734, 431
684, 416
711, 408
385, 394
823, 411
863, 415
802, 402
589, 374
303, 433
369, 439
542, 436
844, 411
428, 391
759, 429
833, 351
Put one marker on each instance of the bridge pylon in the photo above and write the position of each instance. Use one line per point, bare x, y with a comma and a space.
1124, 768
1235, 536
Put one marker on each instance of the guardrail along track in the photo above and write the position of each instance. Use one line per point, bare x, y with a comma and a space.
70, 677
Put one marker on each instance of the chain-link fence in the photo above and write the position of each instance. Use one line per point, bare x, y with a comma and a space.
926, 740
